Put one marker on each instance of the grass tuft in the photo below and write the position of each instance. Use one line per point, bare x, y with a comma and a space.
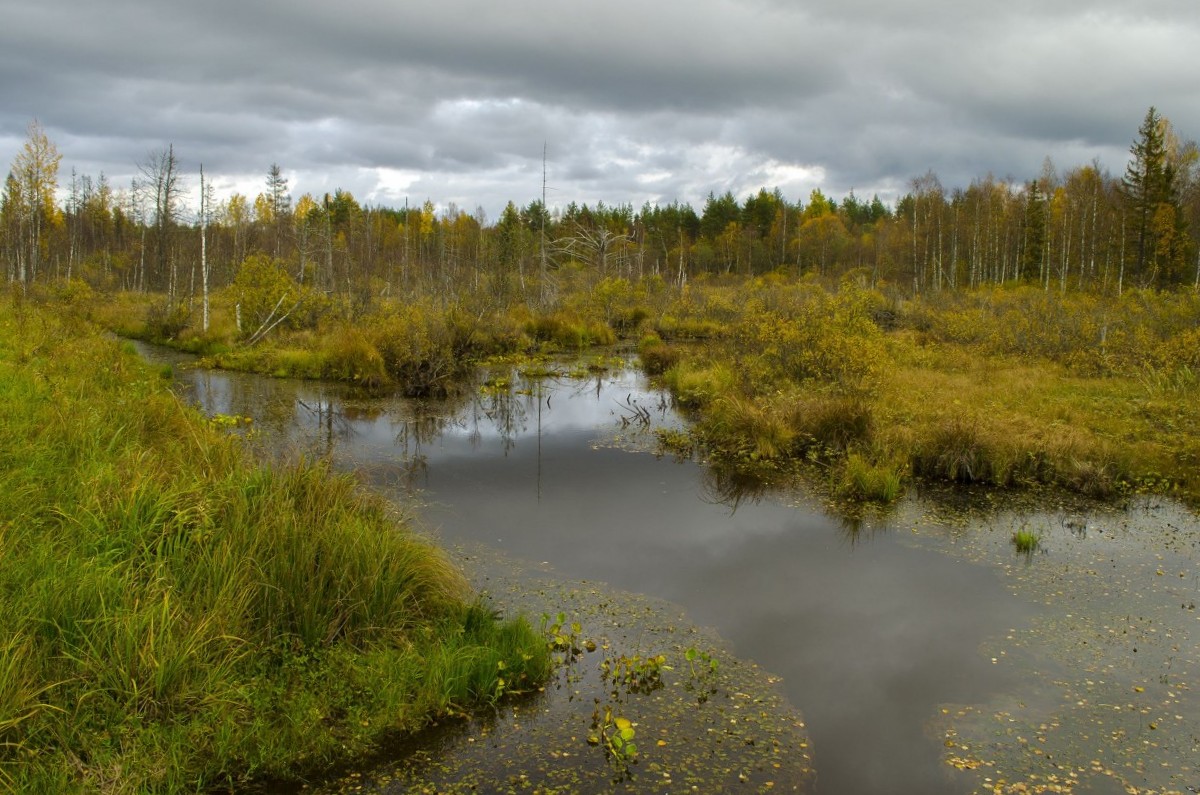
1026, 541
864, 481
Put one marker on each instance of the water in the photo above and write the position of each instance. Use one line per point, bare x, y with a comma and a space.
881, 632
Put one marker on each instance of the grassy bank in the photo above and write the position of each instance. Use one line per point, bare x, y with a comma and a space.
175, 618
1007, 387
416, 347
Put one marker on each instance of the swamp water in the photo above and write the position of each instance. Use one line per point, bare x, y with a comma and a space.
923, 653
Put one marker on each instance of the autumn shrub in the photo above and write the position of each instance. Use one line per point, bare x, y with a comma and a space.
656, 356
827, 339
416, 347
347, 355
694, 386
569, 331
165, 319
746, 428
674, 327
482, 334
1091, 333
265, 296
615, 300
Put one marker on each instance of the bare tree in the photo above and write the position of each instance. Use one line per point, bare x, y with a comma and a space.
164, 186
205, 203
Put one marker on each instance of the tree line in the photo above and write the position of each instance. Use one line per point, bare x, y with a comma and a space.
1079, 229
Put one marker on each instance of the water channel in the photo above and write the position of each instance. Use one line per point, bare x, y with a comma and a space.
924, 653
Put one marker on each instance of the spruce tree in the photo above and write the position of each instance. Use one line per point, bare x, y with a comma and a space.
1150, 201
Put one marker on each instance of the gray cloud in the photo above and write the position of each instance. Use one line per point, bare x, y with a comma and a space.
635, 101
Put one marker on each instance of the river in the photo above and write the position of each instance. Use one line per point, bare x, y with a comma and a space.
925, 654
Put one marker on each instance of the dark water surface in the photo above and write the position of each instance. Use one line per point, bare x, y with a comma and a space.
882, 633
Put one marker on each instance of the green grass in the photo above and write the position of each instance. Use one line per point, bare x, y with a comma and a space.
864, 481
176, 618
1026, 541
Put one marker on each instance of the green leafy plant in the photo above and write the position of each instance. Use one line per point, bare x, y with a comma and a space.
702, 667
615, 735
562, 637
635, 674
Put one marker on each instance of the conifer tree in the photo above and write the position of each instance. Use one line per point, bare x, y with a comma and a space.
1151, 203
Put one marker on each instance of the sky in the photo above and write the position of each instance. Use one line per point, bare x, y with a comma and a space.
630, 101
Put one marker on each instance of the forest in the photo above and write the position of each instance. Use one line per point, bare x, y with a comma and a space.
1079, 229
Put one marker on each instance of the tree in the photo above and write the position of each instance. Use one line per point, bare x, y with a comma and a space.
34, 176
306, 215
205, 203
281, 204
163, 186
1151, 204
11, 219
1033, 233
235, 216
513, 241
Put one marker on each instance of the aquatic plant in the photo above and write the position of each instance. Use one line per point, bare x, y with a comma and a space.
615, 735
702, 667
634, 673
1026, 541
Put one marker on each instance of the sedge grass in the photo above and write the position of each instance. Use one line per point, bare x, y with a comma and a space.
177, 618
1026, 541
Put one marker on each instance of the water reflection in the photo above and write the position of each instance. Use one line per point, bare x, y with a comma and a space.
869, 637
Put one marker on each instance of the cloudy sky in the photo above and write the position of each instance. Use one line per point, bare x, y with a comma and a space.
634, 100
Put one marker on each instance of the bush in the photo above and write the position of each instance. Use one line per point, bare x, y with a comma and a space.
349, 356
656, 356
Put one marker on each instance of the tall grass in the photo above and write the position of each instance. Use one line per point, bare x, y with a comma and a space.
176, 618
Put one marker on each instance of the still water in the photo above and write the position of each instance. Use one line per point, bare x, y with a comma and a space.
925, 656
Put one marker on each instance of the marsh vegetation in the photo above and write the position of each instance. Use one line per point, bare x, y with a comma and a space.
178, 617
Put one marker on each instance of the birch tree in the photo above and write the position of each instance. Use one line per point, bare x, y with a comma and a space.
35, 177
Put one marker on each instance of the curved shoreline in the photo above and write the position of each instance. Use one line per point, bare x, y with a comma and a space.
703, 733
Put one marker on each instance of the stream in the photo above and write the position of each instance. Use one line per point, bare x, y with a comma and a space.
910, 650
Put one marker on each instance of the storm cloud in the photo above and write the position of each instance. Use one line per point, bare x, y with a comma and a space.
633, 101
